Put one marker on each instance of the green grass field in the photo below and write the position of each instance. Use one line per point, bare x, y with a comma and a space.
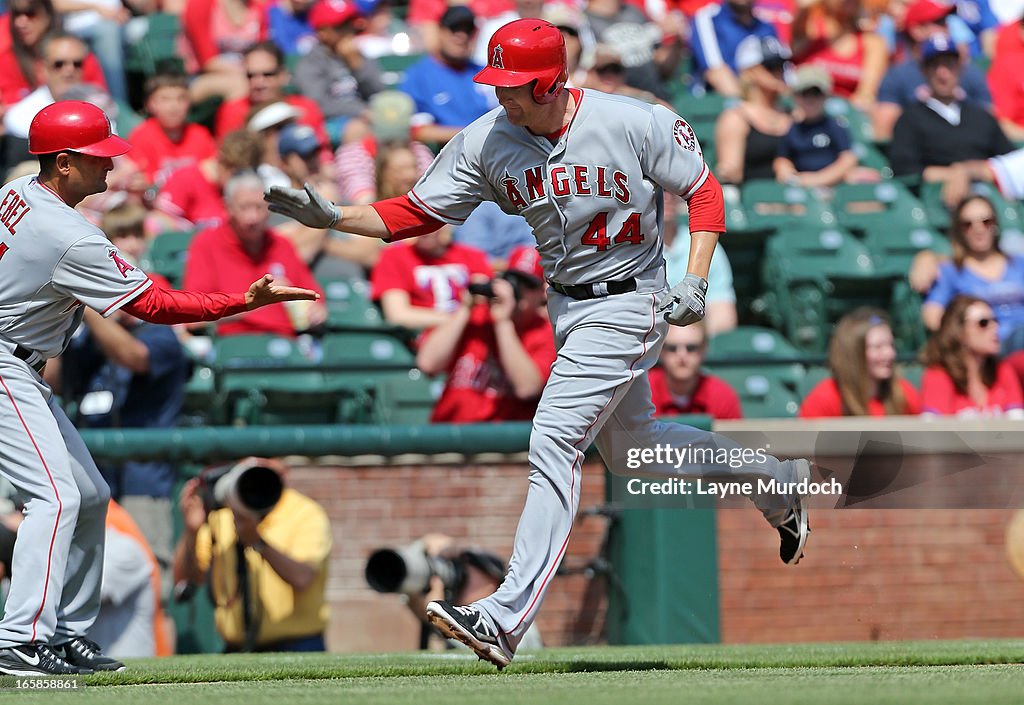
901, 673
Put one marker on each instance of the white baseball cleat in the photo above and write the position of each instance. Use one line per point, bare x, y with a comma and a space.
468, 625
794, 528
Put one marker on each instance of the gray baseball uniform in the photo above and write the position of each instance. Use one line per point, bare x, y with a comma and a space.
54, 263
593, 198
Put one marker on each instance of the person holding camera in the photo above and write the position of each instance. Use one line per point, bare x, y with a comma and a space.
262, 548
497, 348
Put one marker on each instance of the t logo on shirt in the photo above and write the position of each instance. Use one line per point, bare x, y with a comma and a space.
122, 264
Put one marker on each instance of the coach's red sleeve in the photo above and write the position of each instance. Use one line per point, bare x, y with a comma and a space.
707, 207
168, 306
404, 219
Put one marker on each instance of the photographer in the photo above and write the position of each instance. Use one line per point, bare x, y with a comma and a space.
497, 348
435, 567
262, 548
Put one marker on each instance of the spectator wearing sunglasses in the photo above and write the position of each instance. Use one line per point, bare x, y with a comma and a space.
22, 68
817, 150
978, 268
267, 79
497, 350
679, 386
864, 379
964, 375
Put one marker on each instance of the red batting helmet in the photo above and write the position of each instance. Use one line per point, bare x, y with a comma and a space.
74, 126
523, 51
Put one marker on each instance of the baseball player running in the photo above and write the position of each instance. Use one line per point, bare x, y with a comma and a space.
54, 263
586, 170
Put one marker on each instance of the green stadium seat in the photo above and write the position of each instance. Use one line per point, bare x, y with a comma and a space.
203, 403
349, 307
886, 205
913, 373
814, 278
893, 249
762, 393
751, 343
770, 205
167, 254
366, 351
855, 121
408, 397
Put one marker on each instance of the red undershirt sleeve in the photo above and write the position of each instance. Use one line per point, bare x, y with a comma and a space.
404, 219
169, 306
707, 207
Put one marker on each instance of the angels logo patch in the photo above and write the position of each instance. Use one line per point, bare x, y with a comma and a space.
122, 266
684, 135
496, 61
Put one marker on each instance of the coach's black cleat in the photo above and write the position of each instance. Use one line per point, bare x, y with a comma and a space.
794, 528
470, 626
86, 654
35, 660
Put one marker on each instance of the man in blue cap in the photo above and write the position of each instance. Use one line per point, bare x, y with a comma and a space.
941, 130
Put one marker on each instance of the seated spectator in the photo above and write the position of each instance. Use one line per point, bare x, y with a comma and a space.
334, 74
817, 150
387, 154
720, 299
286, 26
718, 30
827, 33
904, 82
244, 245
63, 57
647, 61
267, 123
385, 33
191, 197
679, 386
864, 380
22, 67
964, 376
441, 84
1004, 78
420, 283
748, 135
214, 35
166, 141
497, 352
100, 24
979, 268
941, 130
285, 553
266, 80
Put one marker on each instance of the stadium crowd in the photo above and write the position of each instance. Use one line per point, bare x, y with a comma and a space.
810, 112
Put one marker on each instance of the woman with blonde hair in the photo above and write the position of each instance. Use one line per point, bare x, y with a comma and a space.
965, 376
747, 136
864, 381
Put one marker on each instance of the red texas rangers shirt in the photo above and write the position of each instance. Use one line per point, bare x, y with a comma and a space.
432, 282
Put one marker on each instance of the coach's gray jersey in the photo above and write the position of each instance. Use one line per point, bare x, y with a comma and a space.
593, 198
51, 262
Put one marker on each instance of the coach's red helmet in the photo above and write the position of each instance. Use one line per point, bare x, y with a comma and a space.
525, 51
74, 126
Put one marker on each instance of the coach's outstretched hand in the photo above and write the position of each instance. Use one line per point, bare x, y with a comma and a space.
264, 291
305, 205
683, 304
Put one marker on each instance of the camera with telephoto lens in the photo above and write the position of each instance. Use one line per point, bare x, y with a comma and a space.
408, 570
249, 486
486, 289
